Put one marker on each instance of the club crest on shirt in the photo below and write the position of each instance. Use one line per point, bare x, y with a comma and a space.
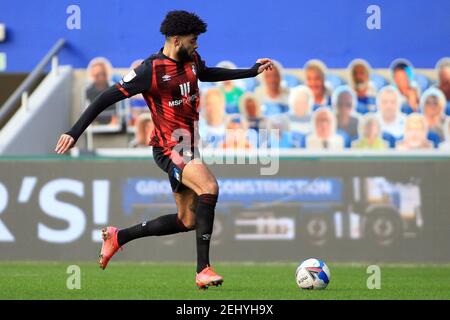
194, 70
129, 76
166, 77
176, 174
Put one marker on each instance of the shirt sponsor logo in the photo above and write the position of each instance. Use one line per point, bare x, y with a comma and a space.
185, 89
175, 103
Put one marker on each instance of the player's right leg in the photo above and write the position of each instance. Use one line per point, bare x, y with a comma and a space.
182, 221
109, 246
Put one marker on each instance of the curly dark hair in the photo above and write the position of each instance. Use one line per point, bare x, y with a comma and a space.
181, 23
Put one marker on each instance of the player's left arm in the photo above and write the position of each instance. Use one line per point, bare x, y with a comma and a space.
212, 74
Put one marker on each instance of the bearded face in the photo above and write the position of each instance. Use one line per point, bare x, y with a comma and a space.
184, 54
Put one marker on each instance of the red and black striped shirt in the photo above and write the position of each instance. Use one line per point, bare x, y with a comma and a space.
170, 89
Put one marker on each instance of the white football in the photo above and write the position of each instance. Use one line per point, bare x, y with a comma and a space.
312, 274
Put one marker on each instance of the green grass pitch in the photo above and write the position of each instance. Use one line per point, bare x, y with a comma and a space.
122, 280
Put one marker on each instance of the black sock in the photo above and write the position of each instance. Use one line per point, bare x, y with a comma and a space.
161, 226
204, 216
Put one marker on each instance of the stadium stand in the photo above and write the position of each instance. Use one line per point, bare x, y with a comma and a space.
121, 135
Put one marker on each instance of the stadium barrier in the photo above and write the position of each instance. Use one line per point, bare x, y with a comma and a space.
46, 111
344, 208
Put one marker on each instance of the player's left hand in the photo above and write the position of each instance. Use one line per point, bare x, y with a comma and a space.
266, 64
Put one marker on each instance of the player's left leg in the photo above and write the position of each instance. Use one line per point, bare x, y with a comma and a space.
183, 221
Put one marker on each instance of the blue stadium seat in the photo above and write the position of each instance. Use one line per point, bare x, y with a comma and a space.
116, 78
271, 108
250, 84
334, 81
298, 139
434, 138
284, 142
422, 81
447, 109
347, 138
406, 108
203, 86
378, 81
290, 81
366, 104
390, 139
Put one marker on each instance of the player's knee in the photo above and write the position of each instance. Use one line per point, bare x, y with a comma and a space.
211, 187
188, 222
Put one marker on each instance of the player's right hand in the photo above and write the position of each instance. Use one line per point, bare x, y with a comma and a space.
265, 64
65, 142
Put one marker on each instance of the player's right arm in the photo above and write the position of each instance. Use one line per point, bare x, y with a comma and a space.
136, 81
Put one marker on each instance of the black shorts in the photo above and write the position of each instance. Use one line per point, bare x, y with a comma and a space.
172, 162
